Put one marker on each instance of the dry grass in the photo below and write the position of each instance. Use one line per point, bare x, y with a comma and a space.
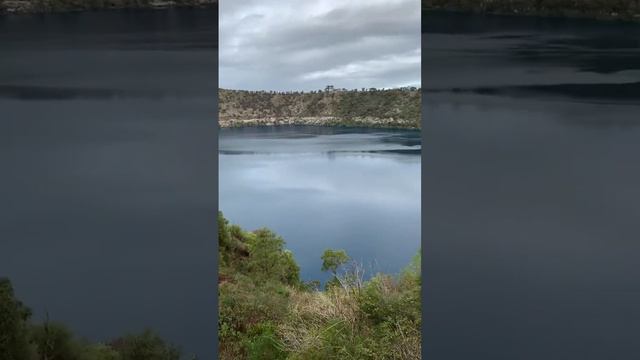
314, 314
311, 313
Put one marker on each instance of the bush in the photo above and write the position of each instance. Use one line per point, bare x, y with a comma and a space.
263, 344
14, 331
269, 259
54, 341
145, 346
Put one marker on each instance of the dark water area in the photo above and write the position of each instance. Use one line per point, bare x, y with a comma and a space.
108, 155
531, 146
318, 188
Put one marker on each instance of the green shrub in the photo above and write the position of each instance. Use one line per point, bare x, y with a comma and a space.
55, 342
266, 312
145, 346
14, 330
263, 344
269, 259
100, 352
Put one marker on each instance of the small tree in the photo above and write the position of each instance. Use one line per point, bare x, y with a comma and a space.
333, 259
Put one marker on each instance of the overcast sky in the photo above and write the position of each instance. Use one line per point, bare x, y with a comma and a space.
306, 45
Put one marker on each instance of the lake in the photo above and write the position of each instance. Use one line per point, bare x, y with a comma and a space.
531, 143
318, 188
108, 162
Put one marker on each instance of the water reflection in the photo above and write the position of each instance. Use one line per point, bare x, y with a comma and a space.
357, 189
532, 198
108, 171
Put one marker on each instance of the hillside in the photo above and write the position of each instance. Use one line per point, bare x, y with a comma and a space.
371, 108
267, 312
599, 9
44, 6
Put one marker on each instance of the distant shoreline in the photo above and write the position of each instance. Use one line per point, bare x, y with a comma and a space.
628, 10
29, 7
318, 121
398, 108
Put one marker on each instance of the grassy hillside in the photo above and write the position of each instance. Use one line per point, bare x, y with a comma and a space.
604, 9
40, 6
393, 108
267, 312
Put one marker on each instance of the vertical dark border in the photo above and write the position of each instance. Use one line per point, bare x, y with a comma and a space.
216, 177
423, 190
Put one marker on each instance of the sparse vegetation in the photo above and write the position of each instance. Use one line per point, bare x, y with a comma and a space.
267, 312
21, 339
44, 6
602, 9
361, 107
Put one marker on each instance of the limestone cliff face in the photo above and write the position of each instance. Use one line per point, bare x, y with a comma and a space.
366, 107
44, 6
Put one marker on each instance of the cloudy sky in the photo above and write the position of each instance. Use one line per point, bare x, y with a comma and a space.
306, 45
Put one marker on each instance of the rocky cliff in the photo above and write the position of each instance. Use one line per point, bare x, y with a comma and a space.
398, 108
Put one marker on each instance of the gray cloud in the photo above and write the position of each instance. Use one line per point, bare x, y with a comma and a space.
305, 45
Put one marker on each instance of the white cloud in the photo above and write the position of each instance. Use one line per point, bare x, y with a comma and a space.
293, 44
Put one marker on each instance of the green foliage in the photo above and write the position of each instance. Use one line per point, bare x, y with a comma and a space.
145, 346
14, 331
267, 313
256, 280
224, 237
269, 259
100, 352
21, 340
245, 310
333, 259
54, 341
262, 343
382, 300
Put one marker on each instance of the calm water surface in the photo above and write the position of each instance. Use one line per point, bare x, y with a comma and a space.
107, 156
319, 188
532, 195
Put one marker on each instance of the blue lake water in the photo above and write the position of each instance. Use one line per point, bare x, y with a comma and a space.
532, 143
107, 163
319, 188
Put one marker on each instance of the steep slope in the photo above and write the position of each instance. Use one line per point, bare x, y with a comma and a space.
372, 108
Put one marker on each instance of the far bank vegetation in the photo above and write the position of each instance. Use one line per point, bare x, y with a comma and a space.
600, 9
399, 107
46, 6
